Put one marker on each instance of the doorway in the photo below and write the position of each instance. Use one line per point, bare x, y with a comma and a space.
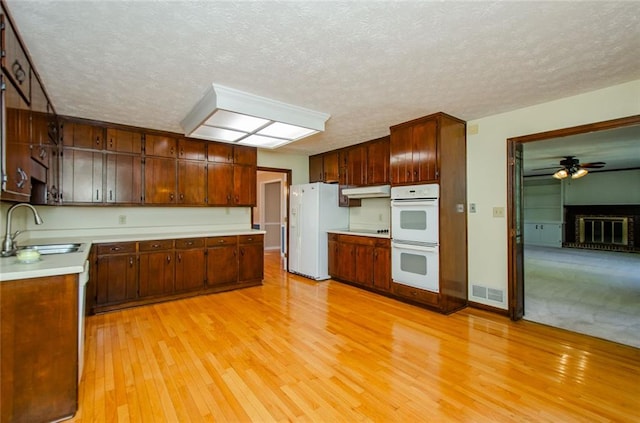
271, 213
515, 209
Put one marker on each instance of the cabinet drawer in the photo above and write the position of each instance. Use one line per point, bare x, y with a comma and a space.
221, 240
360, 240
116, 248
250, 239
188, 243
163, 244
415, 294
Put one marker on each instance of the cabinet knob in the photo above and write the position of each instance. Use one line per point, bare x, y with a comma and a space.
171, 196
168, 259
220, 241
115, 248
155, 246
130, 261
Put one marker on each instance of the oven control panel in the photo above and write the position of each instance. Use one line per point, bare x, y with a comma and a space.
408, 192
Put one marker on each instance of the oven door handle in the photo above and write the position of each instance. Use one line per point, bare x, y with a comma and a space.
426, 248
413, 203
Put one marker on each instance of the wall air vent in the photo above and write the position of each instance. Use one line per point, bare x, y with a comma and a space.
479, 291
495, 295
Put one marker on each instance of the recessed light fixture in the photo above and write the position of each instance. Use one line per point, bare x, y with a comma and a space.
228, 115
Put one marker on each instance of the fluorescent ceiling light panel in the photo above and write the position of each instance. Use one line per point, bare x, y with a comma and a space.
282, 130
217, 134
236, 121
223, 110
263, 142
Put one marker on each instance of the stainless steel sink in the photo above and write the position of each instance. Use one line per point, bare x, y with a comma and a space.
45, 249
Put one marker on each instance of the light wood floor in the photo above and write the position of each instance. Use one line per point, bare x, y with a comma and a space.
297, 350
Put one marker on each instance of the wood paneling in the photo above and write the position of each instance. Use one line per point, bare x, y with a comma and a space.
297, 350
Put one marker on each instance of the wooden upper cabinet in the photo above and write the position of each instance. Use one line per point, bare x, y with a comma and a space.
219, 152
81, 176
357, 165
192, 182
245, 155
14, 60
244, 185
378, 162
82, 135
161, 146
192, 149
413, 151
220, 187
124, 179
330, 167
122, 141
159, 180
316, 171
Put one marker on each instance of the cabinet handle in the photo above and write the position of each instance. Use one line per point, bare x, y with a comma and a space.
171, 151
115, 248
181, 196
110, 142
110, 194
242, 252
97, 194
97, 140
18, 72
168, 259
155, 246
182, 151
541, 226
130, 261
43, 153
190, 243
23, 178
179, 258
249, 239
220, 241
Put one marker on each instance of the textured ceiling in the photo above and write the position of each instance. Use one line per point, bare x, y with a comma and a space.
368, 64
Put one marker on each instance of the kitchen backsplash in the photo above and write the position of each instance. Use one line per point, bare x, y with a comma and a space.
373, 214
122, 220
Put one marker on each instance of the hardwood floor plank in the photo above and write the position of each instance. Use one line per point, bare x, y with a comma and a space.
298, 350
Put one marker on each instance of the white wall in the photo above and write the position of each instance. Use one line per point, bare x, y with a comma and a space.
487, 168
622, 187
80, 221
299, 164
373, 214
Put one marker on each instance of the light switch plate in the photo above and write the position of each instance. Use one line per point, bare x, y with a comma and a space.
472, 207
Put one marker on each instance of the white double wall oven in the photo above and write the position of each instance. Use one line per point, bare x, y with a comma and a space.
415, 236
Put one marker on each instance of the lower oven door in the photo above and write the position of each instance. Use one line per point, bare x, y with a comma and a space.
415, 265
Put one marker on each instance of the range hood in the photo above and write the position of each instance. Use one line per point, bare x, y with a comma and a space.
368, 192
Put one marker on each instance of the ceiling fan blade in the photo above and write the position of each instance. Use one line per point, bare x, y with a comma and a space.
546, 168
594, 165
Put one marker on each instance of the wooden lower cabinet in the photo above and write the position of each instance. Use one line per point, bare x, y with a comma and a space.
141, 272
157, 268
190, 265
39, 344
360, 260
116, 273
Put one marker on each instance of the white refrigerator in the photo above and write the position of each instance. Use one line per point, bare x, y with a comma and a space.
313, 211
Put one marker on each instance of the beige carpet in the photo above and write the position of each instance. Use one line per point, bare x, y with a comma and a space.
592, 292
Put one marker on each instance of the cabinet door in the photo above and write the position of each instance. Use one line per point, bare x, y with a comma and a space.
343, 167
159, 181
18, 150
424, 151
160, 146
82, 135
401, 168
191, 150
245, 155
190, 270
156, 273
40, 138
222, 265
363, 265
330, 167
81, 176
53, 175
244, 185
123, 141
357, 166
378, 162
117, 277
251, 258
219, 152
346, 261
14, 60
192, 182
333, 256
124, 179
220, 184
316, 171
382, 268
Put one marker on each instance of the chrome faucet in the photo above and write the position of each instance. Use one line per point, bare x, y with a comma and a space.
9, 245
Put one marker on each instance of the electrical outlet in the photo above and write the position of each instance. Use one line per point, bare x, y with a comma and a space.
498, 212
122, 219
380, 217
472, 207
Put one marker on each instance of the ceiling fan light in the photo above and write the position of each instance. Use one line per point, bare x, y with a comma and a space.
579, 173
561, 174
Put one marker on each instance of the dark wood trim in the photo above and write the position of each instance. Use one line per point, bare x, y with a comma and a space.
581, 129
288, 172
485, 307
514, 256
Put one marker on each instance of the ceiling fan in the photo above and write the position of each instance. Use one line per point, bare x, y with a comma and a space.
570, 166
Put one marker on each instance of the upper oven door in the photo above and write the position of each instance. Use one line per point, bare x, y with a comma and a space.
415, 220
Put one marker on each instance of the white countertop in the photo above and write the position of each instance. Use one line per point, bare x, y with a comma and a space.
358, 232
63, 264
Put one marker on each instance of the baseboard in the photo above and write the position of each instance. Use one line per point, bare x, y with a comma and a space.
488, 308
